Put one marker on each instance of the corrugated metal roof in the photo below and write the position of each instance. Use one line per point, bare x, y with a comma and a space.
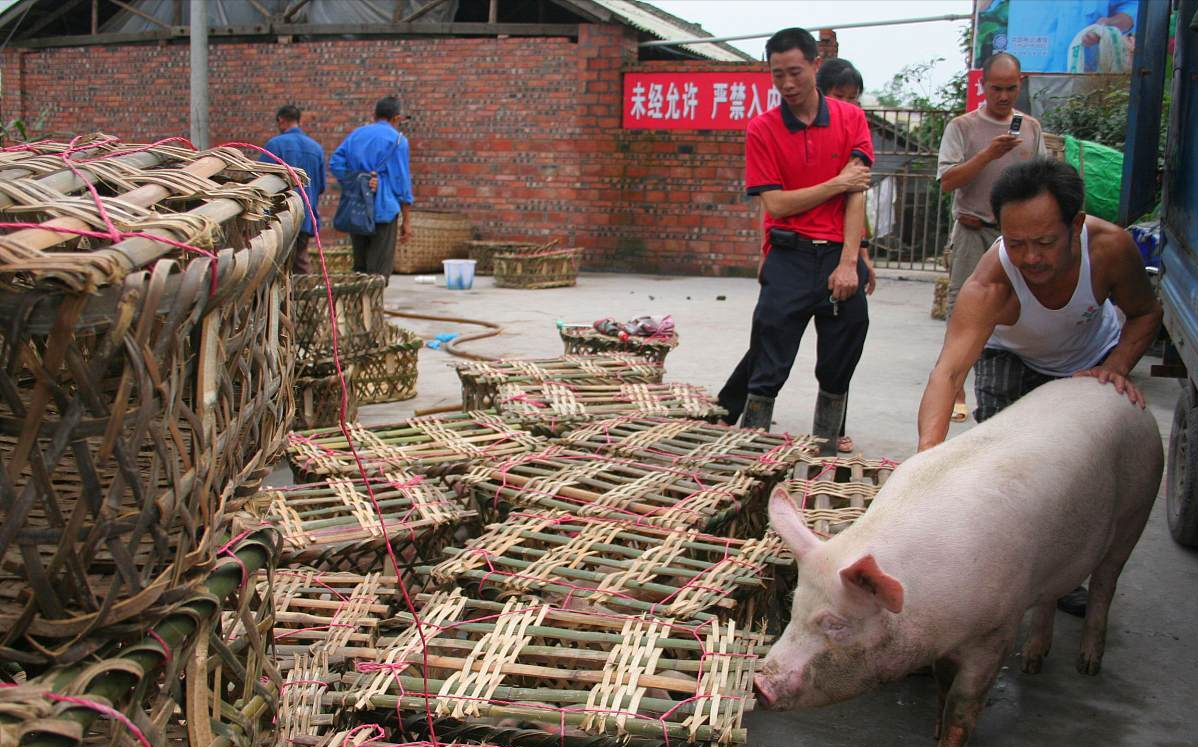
659, 25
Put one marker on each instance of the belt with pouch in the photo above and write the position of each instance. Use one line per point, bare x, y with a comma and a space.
781, 238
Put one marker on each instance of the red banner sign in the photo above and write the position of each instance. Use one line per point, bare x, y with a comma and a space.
976, 93
696, 101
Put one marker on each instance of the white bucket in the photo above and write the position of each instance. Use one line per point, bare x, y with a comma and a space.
459, 273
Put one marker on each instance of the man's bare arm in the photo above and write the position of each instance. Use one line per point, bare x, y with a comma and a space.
974, 317
843, 281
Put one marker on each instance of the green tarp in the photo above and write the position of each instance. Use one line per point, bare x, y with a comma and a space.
1102, 169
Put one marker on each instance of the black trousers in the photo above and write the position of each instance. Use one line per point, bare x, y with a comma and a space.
794, 290
375, 253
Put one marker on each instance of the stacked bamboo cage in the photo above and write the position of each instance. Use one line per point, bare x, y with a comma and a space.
481, 379
549, 407
581, 340
378, 358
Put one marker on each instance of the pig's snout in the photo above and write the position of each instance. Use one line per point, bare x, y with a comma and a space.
764, 691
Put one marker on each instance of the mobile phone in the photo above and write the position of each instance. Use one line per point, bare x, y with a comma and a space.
1016, 123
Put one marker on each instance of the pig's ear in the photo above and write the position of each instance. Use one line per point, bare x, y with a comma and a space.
867, 576
788, 523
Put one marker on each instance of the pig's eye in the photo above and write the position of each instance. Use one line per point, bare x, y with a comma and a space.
833, 627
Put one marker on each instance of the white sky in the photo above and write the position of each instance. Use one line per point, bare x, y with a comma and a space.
877, 52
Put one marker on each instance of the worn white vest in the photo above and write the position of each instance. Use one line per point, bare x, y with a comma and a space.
1058, 342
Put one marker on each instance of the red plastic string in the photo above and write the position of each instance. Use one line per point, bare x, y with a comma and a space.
108, 711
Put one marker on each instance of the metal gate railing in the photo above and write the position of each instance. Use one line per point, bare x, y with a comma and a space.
909, 217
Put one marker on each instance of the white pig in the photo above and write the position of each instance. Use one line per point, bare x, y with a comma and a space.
959, 543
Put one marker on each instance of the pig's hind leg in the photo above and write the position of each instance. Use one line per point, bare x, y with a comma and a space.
1103, 581
1039, 637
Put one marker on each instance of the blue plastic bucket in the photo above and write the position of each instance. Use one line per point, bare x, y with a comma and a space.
459, 273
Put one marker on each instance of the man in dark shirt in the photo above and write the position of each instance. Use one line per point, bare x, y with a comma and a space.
302, 152
808, 160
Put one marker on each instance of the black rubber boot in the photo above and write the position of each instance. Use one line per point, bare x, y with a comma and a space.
1074, 603
829, 415
759, 413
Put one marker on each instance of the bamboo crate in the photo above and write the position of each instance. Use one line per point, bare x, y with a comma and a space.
436, 235
588, 340
481, 379
421, 445
483, 253
541, 268
940, 298
648, 680
590, 485
335, 525
184, 681
145, 386
833, 493
550, 407
358, 302
388, 372
327, 614
318, 398
617, 565
694, 443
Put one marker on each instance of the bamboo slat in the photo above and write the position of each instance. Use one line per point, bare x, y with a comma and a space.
537, 268
387, 372
591, 485
143, 387
833, 493
551, 407
335, 525
358, 302
183, 683
617, 565
481, 379
488, 664
421, 445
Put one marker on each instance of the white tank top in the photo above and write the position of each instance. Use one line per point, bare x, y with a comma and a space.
1058, 342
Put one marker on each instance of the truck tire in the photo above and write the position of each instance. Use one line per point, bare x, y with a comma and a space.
1181, 482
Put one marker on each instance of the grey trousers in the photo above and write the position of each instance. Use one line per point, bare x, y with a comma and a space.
968, 246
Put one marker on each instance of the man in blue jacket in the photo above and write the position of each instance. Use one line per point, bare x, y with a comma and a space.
301, 152
381, 150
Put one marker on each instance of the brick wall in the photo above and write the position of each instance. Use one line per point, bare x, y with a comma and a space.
522, 134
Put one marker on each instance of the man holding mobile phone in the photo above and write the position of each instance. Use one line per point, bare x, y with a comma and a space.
975, 149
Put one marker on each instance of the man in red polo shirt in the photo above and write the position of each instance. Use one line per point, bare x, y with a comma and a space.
808, 160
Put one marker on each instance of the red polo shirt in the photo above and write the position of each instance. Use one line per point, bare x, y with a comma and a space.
783, 153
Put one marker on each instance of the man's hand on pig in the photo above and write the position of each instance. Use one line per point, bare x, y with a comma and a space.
1121, 383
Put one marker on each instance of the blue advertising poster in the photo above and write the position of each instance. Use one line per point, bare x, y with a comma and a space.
1057, 36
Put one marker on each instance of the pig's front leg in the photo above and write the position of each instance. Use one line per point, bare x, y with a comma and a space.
978, 663
1039, 637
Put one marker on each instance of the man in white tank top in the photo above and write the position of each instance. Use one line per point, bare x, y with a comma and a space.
1044, 301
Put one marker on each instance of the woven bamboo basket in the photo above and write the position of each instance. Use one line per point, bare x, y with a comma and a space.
617, 565
187, 679
1055, 145
540, 268
940, 298
145, 385
388, 372
483, 664
421, 445
587, 340
436, 235
694, 443
481, 379
551, 407
335, 525
338, 258
483, 253
358, 302
591, 485
318, 398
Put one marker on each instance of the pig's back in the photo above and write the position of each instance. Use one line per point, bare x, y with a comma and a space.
1032, 492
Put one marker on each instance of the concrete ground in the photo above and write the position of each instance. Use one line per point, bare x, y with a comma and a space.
1147, 693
